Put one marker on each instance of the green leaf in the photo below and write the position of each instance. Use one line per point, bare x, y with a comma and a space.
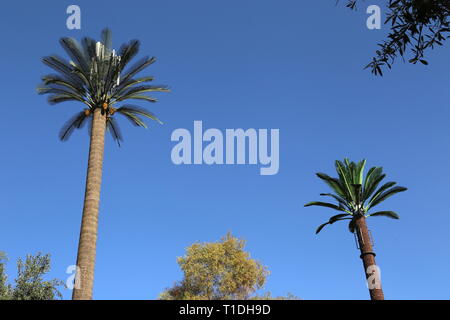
321, 227
333, 184
339, 199
389, 214
357, 190
333, 219
324, 204
345, 177
360, 172
75, 122
136, 97
373, 181
135, 110
386, 195
114, 129
384, 187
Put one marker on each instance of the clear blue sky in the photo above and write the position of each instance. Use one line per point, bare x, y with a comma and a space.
291, 65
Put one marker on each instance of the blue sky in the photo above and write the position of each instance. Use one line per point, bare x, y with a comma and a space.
292, 65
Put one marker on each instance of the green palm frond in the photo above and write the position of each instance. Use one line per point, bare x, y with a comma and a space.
132, 113
76, 122
373, 181
340, 200
54, 79
334, 184
333, 219
75, 52
383, 196
127, 52
138, 67
380, 190
389, 214
324, 204
63, 97
143, 89
114, 129
137, 97
352, 190
65, 69
124, 85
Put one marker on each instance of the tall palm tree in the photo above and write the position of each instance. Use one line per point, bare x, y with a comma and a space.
356, 195
96, 77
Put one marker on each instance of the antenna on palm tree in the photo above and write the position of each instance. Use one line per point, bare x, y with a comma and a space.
356, 194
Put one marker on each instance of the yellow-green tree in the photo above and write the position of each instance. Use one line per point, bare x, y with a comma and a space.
217, 271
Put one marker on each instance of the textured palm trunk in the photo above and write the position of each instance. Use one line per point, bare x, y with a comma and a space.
368, 257
84, 279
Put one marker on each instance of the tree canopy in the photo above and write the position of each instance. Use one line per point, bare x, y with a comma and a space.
29, 283
98, 77
355, 193
415, 26
219, 271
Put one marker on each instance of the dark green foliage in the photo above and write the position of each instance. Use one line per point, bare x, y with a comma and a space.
415, 26
356, 194
29, 284
98, 78
5, 288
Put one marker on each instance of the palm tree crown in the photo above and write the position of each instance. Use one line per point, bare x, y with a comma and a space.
96, 76
356, 194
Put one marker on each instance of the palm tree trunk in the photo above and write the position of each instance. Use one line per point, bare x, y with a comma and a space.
84, 279
368, 257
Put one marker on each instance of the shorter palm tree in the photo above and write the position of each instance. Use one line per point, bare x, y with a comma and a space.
356, 195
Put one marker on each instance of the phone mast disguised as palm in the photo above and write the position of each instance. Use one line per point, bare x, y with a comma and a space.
95, 76
356, 195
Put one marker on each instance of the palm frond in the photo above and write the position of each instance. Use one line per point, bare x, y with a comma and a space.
383, 196
63, 97
143, 89
63, 81
75, 122
88, 46
334, 184
95, 75
345, 178
136, 97
389, 214
114, 129
340, 200
352, 190
138, 67
75, 52
59, 89
324, 204
132, 112
333, 219
384, 187
372, 181
127, 52
64, 68
124, 85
